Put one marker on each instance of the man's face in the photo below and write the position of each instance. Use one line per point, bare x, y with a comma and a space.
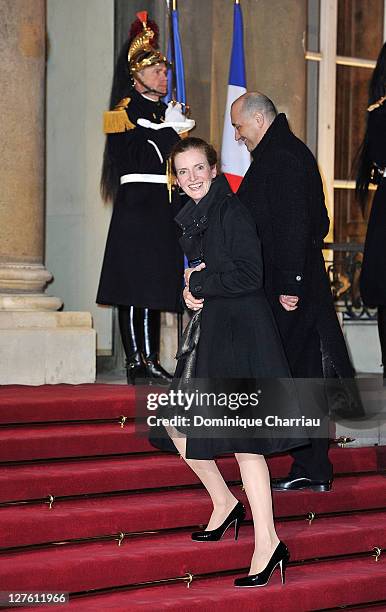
154, 77
247, 126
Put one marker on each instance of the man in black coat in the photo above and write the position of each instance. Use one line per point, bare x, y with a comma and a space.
284, 192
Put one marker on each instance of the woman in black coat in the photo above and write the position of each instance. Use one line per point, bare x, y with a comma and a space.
372, 168
238, 340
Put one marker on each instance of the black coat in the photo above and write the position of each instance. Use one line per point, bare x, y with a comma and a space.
373, 275
283, 191
143, 262
238, 337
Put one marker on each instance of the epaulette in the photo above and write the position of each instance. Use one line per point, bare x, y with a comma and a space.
116, 120
377, 104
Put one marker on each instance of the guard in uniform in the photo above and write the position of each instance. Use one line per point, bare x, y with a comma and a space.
142, 272
372, 169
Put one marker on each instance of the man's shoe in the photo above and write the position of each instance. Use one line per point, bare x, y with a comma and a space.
298, 484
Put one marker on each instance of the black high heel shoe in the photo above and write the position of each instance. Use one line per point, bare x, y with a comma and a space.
236, 516
279, 558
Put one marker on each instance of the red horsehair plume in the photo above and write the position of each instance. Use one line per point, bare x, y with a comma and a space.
137, 28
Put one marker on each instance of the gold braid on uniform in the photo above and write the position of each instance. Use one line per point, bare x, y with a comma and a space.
116, 120
377, 104
170, 179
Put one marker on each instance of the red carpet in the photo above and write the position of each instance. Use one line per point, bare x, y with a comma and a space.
21, 404
50, 454
308, 587
166, 510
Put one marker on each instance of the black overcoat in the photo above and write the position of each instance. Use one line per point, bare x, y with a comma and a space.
238, 338
373, 275
143, 262
283, 191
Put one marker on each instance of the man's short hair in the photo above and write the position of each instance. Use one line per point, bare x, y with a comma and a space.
255, 102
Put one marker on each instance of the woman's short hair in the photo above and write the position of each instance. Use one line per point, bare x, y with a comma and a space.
186, 144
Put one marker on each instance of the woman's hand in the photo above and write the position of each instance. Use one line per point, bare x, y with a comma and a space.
188, 272
192, 302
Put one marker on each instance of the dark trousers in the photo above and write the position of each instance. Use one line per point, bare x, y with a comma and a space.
312, 461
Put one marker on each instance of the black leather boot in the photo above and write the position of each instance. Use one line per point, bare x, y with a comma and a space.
131, 328
151, 337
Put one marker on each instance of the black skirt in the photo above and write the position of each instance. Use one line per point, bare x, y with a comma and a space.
211, 364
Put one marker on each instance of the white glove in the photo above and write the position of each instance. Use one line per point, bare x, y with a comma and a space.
174, 118
174, 112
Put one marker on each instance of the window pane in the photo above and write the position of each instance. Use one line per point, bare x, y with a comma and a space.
312, 105
349, 224
350, 122
313, 12
360, 28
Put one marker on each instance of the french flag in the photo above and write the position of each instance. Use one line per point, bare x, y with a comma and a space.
174, 55
235, 158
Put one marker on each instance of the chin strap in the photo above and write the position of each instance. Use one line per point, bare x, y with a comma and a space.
149, 89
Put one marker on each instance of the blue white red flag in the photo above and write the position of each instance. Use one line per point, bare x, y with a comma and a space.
174, 54
235, 158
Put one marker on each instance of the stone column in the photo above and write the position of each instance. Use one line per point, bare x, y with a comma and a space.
23, 276
37, 344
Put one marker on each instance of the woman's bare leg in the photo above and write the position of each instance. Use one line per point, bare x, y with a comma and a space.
207, 471
256, 481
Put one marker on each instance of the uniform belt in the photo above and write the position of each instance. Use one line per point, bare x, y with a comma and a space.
143, 178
